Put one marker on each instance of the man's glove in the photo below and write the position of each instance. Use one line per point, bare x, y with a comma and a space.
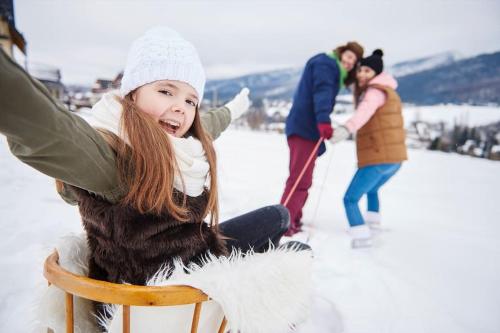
325, 130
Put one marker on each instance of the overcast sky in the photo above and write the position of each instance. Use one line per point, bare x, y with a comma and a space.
87, 39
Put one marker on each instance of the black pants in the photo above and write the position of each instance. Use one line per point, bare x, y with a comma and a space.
258, 229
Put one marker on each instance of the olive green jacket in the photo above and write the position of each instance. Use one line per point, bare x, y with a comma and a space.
42, 133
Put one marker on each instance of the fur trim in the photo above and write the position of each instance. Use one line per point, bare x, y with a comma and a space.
128, 246
50, 310
258, 293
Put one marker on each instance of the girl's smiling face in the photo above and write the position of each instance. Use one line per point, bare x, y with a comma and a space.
172, 103
364, 74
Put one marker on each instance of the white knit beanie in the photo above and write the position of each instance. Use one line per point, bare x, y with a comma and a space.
162, 54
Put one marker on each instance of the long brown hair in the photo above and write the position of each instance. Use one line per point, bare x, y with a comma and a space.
358, 50
147, 165
358, 92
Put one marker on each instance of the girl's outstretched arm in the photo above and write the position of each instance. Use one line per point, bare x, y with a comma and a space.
217, 120
44, 135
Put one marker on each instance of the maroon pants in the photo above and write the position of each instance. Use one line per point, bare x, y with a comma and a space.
300, 150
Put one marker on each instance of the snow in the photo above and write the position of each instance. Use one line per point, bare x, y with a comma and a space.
449, 114
344, 98
434, 267
44, 72
279, 107
422, 64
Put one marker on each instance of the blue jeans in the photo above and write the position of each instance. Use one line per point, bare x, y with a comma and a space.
367, 180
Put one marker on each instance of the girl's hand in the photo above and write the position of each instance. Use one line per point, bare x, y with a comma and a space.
339, 134
239, 104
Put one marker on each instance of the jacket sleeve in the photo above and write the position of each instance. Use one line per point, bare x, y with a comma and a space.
216, 121
52, 140
325, 86
374, 98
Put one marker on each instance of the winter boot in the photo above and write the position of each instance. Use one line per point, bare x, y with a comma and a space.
294, 228
295, 246
361, 236
372, 219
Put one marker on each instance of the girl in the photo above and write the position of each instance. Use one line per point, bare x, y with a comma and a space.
139, 165
309, 119
380, 143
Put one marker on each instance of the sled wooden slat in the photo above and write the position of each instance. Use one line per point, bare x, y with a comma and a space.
121, 294
196, 318
222, 327
69, 313
107, 292
126, 319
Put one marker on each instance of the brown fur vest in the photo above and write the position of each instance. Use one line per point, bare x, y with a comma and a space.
127, 246
382, 138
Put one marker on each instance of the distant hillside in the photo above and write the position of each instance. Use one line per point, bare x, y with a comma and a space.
422, 64
278, 84
473, 81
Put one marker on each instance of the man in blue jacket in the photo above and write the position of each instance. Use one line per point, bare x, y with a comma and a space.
309, 119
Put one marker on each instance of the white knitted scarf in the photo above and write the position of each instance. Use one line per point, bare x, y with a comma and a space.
189, 153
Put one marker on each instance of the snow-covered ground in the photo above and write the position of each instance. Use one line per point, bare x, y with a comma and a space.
449, 114
435, 268
467, 115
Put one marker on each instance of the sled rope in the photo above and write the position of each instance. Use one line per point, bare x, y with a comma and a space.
327, 172
315, 150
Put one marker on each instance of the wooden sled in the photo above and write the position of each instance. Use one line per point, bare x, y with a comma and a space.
121, 294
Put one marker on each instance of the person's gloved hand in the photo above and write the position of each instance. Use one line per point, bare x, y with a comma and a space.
341, 133
325, 130
239, 104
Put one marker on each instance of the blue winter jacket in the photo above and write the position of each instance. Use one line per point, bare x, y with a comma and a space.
314, 98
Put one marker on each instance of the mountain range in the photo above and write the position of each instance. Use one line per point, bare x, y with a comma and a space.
441, 78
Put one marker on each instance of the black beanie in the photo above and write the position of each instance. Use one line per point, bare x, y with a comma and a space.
374, 61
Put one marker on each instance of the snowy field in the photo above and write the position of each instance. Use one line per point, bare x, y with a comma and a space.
467, 115
434, 268
450, 114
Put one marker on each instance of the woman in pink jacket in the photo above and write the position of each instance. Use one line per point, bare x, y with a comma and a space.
380, 143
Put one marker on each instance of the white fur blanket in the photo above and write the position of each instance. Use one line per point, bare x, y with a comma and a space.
258, 293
